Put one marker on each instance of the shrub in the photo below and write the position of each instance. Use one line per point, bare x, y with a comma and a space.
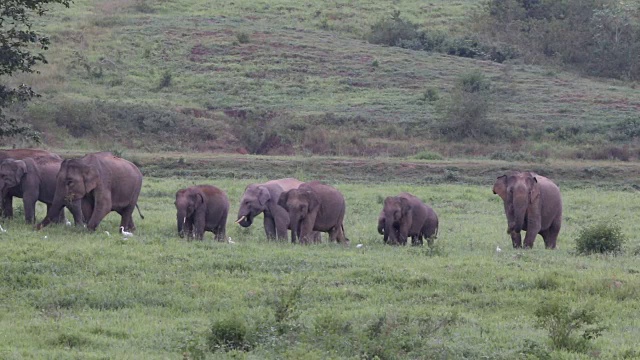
392, 31
562, 322
230, 333
428, 155
243, 38
431, 95
603, 237
165, 80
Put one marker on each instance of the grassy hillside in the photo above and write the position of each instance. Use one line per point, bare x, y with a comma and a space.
194, 75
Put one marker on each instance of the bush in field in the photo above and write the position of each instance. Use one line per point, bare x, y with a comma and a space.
603, 237
391, 31
428, 155
465, 113
230, 333
562, 322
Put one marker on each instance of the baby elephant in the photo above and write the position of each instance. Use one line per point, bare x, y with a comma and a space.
405, 215
202, 208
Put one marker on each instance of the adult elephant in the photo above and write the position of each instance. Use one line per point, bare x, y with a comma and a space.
262, 198
33, 179
102, 183
531, 203
405, 215
202, 208
314, 206
9, 192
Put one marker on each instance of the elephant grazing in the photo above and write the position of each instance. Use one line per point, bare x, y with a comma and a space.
202, 208
315, 206
101, 183
405, 215
33, 180
263, 198
532, 203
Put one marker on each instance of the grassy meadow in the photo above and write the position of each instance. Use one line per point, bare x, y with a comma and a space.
69, 294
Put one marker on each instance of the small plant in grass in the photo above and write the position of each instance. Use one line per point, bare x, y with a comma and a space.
430, 95
165, 80
602, 237
284, 305
243, 38
428, 155
229, 333
562, 322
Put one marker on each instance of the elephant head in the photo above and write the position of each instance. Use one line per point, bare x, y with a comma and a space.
397, 213
11, 172
300, 203
76, 179
519, 191
254, 202
188, 202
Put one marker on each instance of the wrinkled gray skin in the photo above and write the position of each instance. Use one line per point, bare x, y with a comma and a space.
33, 183
406, 216
531, 203
102, 183
314, 206
263, 199
33, 180
202, 208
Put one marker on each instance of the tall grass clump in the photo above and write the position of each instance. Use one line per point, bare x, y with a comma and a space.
230, 333
603, 237
562, 322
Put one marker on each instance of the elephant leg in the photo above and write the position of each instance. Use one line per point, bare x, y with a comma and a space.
29, 203
530, 237
126, 219
340, 235
306, 228
220, 232
187, 228
270, 228
100, 210
7, 206
76, 210
550, 235
316, 237
199, 224
516, 239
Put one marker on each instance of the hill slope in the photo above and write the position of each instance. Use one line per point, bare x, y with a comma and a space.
285, 77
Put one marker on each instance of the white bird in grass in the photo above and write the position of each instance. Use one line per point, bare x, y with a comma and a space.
106, 232
68, 223
2, 229
125, 233
230, 241
359, 246
498, 249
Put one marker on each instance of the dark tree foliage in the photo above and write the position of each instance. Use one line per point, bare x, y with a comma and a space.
17, 44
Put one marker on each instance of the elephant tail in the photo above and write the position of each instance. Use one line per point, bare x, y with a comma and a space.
141, 216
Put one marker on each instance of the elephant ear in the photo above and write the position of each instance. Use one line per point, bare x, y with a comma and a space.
21, 169
312, 200
91, 177
405, 205
282, 201
500, 187
263, 195
198, 199
534, 192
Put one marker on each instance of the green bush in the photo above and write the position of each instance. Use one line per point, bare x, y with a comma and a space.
603, 237
428, 155
230, 333
562, 322
393, 31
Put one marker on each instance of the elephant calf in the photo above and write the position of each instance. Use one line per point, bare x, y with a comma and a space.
314, 206
405, 215
531, 203
202, 208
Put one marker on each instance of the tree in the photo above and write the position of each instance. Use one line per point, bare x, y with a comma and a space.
17, 44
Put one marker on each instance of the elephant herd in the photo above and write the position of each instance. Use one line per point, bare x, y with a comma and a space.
98, 183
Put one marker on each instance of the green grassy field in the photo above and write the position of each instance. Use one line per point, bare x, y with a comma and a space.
75, 295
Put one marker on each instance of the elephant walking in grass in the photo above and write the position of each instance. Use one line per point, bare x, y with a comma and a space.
33, 180
101, 183
314, 206
46, 168
405, 215
202, 208
263, 198
531, 203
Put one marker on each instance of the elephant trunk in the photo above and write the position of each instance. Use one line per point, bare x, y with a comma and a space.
181, 219
390, 233
55, 208
295, 222
520, 204
244, 217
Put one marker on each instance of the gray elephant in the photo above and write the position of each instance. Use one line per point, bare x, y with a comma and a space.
101, 183
263, 198
33, 180
202, 208
531, 203
314, 206
405, 215
40, 156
